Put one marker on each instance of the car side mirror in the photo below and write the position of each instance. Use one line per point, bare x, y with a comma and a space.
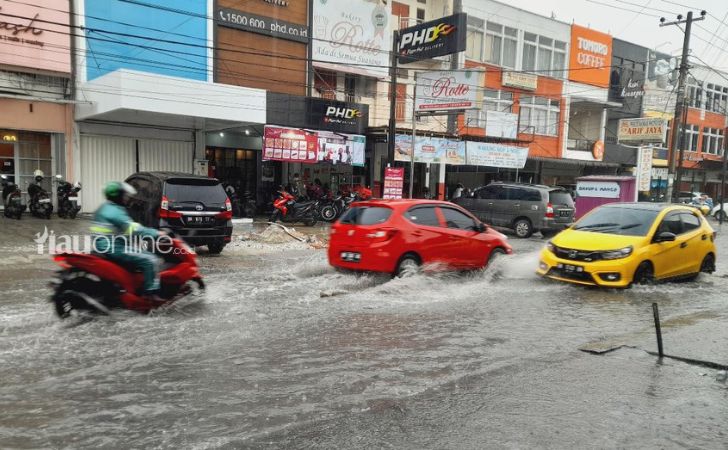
480, 227
665, 236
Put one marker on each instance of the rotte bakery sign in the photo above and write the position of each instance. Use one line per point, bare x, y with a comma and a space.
444, 91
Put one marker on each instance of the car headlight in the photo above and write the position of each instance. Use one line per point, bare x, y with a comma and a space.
551, 247
617, 254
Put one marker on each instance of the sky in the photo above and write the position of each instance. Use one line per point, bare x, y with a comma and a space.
638, 21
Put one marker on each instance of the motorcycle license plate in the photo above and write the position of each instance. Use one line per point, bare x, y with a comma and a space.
44, 200
73, 199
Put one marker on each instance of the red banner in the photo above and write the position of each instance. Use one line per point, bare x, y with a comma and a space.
393, 182
290, 144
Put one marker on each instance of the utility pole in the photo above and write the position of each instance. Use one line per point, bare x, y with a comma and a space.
721, 197
680, 100
393, 97
452, 119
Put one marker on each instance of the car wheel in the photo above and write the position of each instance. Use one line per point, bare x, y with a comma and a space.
548, 233
644, 274
215, 248
708, 264
497, 253
523, 228
718, 214
409, 265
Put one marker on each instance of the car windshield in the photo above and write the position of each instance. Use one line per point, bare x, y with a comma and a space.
618, 220
205, 191
366, 215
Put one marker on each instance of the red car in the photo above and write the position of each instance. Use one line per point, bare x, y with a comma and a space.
394, 236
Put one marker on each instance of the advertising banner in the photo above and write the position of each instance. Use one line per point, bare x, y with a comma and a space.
434, 38
429, 150
289, 144
642, 130
526, 81
496, 155
644, 168
660, 87
356, 34
35, 35
447, 91
338, 148
590, 56
600, 189
337, 116
501, 124
268, 26
393, 182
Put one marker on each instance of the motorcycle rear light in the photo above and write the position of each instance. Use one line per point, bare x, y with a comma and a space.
228, 205
549, 211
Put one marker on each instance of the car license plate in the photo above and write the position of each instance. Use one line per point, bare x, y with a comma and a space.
350, 256
198, 220
570, 268
564, 213
44, 200
73, 199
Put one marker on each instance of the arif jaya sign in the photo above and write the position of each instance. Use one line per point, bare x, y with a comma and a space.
643, 130
435, 38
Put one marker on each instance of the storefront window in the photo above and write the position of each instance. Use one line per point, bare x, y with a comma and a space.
712, 141
539, 115
474, 48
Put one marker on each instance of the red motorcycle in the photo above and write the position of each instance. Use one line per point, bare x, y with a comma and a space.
287, 209
93, 284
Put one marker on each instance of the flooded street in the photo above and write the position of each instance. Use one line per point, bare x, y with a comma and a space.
283, 351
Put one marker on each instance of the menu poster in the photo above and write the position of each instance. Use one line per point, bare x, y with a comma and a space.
393, 183
289, 144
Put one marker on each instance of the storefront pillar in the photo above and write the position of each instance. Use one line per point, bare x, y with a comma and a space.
441, 183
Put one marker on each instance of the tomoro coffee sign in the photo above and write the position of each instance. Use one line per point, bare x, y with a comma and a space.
590, 56
435, 38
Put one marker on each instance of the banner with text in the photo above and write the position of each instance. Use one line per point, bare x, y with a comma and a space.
446, 91
642, 130
290, 144
355, 33
496, 155
339, 148
393, 182
429, 150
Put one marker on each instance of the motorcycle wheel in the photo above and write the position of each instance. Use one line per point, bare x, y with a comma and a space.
48, 214
18, 214
62, 213
328, 213
73, 213
275, 216
310, 222
69, 298
249, 210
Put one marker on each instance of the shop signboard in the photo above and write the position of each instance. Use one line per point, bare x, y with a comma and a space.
35, 35
429, 150
241, 20
520, 80
642, 130
496, 155
339, 148
438, 37
449, 91
590, 56
600, 189
355, 36
290, 144
333, 115
644, 168
393, 182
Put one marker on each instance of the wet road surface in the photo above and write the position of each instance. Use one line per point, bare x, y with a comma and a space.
282, 351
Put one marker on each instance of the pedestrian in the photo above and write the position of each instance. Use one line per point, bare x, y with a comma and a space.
458, 191
705, 200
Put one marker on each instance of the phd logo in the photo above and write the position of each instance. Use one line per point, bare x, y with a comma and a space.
425, 36
342, 113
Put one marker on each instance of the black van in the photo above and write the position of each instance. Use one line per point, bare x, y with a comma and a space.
196, 208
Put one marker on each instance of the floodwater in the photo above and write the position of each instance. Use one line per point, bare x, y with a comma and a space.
282, 351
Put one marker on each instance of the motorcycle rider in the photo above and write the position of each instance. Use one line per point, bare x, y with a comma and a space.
112, 230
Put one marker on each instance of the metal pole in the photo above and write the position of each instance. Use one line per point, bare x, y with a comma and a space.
722, 177
414, 134
679, 103
393, 97
658, 331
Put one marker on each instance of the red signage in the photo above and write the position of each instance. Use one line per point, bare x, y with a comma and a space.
290, 144
393, 182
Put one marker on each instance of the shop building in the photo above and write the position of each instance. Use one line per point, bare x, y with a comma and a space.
36, 111
148, 101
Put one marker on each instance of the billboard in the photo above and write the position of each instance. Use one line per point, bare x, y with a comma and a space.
590, 56
354, 35
660, 87
642, 130
496, 155
429, 150
447, 91
290, 144
434, 38
339, 148
35, 36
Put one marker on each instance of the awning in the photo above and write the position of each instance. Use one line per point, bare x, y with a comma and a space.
132, 97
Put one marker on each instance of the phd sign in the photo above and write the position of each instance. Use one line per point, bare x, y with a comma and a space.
435, 38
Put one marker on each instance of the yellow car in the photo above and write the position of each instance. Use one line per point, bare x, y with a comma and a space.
618, 244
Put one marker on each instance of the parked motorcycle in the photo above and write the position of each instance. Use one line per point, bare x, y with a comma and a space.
12, 199
92, 284
328, 209
287, 209
242, 207
67, 195
40, 201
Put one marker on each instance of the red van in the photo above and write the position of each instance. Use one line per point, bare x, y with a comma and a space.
396, 236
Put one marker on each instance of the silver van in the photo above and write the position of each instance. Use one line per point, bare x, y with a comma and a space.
525, 208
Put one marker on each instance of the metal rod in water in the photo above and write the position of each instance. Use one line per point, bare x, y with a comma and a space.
658, 331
